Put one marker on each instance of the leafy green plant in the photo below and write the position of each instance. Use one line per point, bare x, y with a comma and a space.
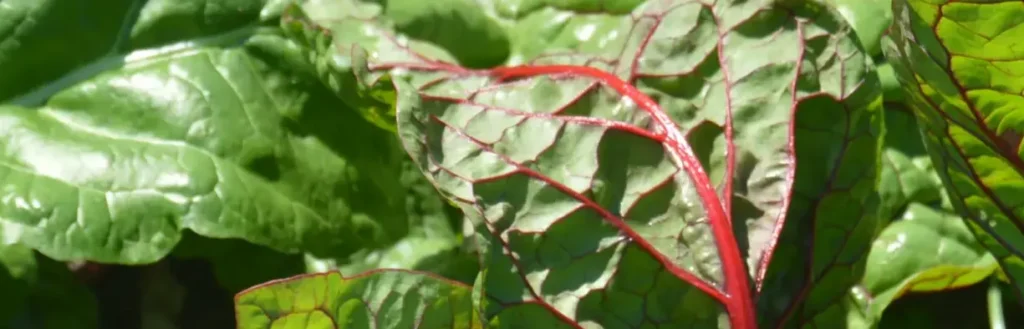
592, 196
958, 65
600, 163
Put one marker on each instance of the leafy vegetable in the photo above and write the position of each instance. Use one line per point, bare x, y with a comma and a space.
925, 251
958, 64
606, 163
639, 174
386, 300
926, 247
223, 132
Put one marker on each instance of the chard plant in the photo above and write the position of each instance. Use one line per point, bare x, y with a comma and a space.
743, 164
689, 165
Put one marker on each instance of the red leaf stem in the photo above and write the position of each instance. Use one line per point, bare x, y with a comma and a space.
737, 297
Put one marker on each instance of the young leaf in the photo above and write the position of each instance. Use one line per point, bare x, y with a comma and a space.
926, 250
380, 299
957, 62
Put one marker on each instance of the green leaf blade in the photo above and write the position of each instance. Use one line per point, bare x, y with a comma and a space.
926, 250
481, 138
379, 299
213, 140
958, 69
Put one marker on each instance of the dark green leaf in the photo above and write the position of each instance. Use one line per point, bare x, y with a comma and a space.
869, 18
237, 264
49, 45
907, 172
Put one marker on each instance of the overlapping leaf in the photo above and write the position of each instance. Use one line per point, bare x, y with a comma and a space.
959, 63
925, 251
908, 175
870, 18
925, 247
581, 202
384, 300
220, 132
36, 36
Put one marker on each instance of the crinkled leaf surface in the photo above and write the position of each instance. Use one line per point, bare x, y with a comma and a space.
225, 135
960, 65
384, 300
35, 34
584, 208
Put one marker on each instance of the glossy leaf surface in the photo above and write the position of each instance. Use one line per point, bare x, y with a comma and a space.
925, 247
926, 250
959, 63
193, 119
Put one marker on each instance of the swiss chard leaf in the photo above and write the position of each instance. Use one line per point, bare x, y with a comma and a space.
385, 300
193, 116
870, 18
609, 178
926, 250
959, 64
925, 247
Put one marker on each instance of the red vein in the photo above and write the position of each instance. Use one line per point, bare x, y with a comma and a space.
730, 144
580, 120
611, 218
769, 250
738, 300
999, 145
